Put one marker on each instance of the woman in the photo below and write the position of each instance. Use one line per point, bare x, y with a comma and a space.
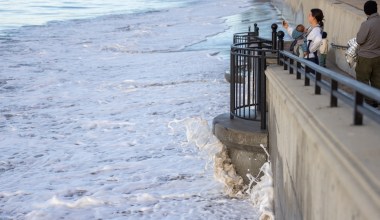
313, 35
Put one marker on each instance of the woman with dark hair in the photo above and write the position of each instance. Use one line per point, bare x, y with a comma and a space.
313, 35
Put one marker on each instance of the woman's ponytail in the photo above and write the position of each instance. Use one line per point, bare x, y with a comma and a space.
321, 24
318, 15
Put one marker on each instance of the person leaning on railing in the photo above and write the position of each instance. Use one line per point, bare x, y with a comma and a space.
368, 63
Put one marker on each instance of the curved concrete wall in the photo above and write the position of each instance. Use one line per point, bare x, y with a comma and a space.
323, 166
342, 21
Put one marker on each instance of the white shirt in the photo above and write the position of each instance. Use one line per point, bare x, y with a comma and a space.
315, 36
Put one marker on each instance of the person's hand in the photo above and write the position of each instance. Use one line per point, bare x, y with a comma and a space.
285, 24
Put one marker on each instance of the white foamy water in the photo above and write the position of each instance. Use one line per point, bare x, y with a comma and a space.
109, 118
37, 12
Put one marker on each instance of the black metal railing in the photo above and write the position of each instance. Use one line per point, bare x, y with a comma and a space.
249, 57
337, 46
246, 37
330, 81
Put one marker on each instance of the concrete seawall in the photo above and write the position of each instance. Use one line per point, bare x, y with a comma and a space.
323, 166
342, 21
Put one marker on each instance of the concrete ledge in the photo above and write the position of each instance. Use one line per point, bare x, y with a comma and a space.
324, 167
242, 139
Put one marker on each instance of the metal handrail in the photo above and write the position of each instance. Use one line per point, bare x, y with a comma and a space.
249, 37
336, 46
256, 43
312, 71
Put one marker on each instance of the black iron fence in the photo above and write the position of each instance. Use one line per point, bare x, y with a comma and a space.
250, 55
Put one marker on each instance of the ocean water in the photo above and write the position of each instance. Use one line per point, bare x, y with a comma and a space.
106, 114
37, 12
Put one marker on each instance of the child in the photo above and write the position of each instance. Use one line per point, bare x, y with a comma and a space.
297, 34
323, 50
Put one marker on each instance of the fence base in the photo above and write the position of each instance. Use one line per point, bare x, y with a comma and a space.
242, 139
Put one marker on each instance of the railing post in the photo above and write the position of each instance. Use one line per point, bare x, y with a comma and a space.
291, 66
259, 79
299, 66
263, 99
307, 79
232, 83
256, 29
252, 35
280, 36
333, 99
318, 78
358, 117
285, 63
274, 36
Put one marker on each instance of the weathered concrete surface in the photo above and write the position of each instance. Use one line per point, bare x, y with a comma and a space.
342, 21
323, 166
242, 139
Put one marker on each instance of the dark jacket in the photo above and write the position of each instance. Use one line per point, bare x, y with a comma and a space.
368, 37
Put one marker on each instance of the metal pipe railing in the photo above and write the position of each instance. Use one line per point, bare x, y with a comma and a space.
336, 46
330, 83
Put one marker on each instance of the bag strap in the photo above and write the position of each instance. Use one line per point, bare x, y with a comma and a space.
300, 37
309, 29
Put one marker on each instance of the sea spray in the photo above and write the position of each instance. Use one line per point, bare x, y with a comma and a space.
225, 172
199, 133
260, 190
